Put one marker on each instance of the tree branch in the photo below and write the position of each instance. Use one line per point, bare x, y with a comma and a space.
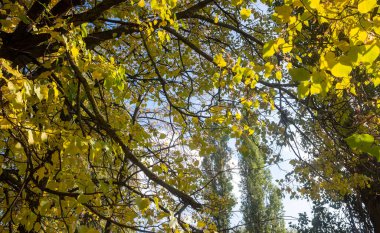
113, 135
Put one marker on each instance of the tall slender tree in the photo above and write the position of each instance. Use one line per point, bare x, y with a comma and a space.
261, 200
218, 177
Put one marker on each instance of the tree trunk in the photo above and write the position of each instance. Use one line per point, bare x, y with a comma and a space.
372, 203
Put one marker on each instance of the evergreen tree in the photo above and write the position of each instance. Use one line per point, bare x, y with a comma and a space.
261, 200
218, 177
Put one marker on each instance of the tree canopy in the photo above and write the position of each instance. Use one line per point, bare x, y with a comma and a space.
107, 107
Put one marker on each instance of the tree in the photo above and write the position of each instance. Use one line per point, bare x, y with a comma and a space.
261, 202
104, 107
218, 191
323, 221
331, 53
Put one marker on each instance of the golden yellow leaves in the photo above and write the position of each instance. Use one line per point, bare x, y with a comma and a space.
5, 124
164, 9
341, 70
30, 137
337, 61
314, 4
219, 60
365, 6
273, 46
42, 92
370, 53
163, 36
97, 75
245, 13
74, 51
141, 3
236, 2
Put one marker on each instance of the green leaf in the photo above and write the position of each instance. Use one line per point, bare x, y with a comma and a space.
284, 12
142, 203
375, 152
360, 141
236, 2
303, 89
299, 74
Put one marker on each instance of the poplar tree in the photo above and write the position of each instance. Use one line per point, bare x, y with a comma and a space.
219, 182
261, 202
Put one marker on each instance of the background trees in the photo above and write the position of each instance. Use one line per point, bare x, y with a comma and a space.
106, 106
218, 182
323, 220
261, 201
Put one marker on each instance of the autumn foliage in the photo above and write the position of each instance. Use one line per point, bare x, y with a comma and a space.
107, 107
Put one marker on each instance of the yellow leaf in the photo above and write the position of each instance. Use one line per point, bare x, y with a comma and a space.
341, 70
376, 81
75, 51
299, 74
41, 173
45, 92
365, 6
286, 48
55, 90
278, 75
141, 3
30, 137
245, 13
156, 202
238, 116
216, 19
37, 226
4, 124
37, 90
218, 59
371, 53
235, 128
251, 131
315, 88
268, 69
314, 4
172, 3
44, 136
19, 98
97, 75
11, 87
201, 224
268, 49
237, 2
353, 90
130, 216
